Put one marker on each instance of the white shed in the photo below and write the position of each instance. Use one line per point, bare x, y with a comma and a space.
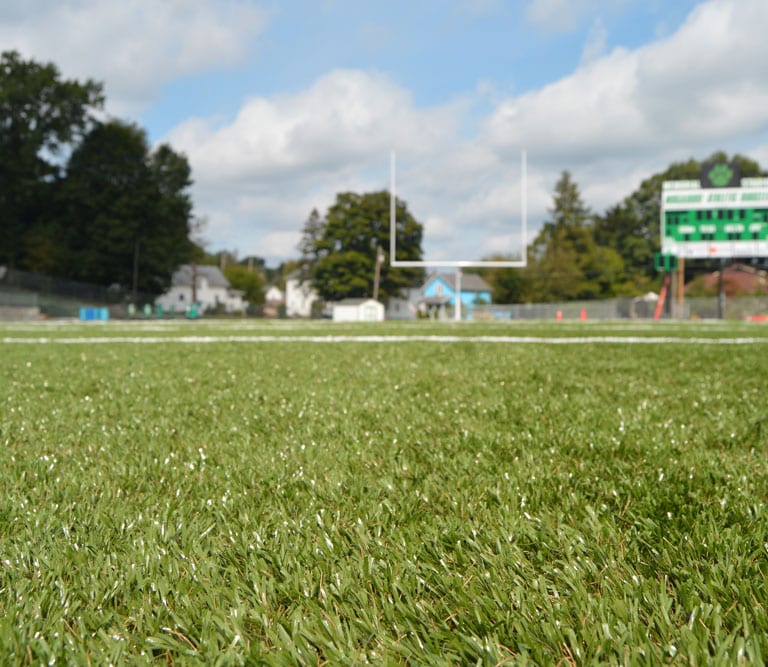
358, 310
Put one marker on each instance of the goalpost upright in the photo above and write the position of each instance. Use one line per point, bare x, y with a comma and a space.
459, 263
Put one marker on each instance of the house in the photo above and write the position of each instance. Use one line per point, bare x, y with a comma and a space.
211, 291
358, 310
273, 301
299, 296
273, 295
406, 306
439, 292
738, 279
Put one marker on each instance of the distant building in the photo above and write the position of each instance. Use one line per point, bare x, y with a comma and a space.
439, 292
212, 291
299, 296
358, 310
406, 306
273, 300
738, 280
274, 295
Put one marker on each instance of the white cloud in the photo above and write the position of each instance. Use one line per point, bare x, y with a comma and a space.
134, 46
343, 121
284, 155
694, 89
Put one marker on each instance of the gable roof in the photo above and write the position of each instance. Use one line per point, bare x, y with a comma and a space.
182, 277
739, 279
470, 282
353, 301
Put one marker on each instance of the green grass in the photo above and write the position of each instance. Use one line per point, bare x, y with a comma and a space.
391, 503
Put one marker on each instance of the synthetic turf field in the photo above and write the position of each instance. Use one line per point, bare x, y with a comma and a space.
297, 493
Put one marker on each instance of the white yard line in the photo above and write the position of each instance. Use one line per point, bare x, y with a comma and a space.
520, 340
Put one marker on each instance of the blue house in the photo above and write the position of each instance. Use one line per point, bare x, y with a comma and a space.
439, 291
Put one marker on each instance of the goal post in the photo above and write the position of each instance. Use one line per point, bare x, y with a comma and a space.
459, 264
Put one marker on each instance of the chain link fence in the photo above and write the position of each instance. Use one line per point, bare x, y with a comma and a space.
736, 308
23, 293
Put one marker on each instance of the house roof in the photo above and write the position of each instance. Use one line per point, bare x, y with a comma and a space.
182, 277
739, 279
470, 282
353, 302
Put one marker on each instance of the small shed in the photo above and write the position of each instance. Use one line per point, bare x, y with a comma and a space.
358, 310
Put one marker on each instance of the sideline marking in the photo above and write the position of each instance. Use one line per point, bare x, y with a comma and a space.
523, 340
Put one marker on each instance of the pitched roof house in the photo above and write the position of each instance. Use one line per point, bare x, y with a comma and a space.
299, 296
440, 289
211, 290
738, 279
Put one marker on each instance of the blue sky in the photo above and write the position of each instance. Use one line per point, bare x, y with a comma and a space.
280, 105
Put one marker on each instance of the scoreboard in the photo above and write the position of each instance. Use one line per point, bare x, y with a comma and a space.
714, 222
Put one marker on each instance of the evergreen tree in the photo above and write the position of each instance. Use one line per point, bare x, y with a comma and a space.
561, 250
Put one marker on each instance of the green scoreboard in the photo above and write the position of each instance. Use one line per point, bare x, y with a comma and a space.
701, 222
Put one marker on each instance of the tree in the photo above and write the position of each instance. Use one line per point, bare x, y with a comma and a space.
125, 212
250, 282
561, 250
507, 285
40, 116
341, 248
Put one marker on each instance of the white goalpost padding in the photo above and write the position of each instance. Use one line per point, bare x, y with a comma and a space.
460, 263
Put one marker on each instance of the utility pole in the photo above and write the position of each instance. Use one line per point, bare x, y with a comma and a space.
721, 291
377, 273
194, 283
135, 285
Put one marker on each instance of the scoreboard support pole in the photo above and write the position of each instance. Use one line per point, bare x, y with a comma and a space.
721, 291
680, 288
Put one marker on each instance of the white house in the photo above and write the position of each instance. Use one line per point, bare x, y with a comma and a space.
358, 310
211, 291
299, 296
273, 295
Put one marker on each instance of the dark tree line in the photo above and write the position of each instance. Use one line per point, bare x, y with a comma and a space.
81, 197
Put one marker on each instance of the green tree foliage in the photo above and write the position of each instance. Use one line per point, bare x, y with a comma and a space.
340, 248
565, 261
508, 285
249, 281
125, 211
40, 116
